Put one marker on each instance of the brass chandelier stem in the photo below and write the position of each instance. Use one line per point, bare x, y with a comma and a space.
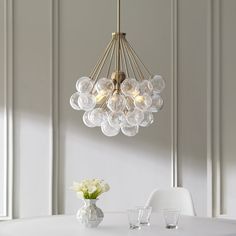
118, 16
118, 46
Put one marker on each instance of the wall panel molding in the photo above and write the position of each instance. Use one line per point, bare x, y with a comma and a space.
8, 106
209, 110
174, 93
55, 105
214, 110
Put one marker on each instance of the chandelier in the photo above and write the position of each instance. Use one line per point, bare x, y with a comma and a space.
120, 94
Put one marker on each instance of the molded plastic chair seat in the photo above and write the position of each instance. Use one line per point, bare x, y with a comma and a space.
172, 198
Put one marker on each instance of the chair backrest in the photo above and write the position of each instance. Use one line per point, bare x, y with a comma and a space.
172, 198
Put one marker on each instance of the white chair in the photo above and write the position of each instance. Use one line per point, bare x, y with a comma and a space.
172, 198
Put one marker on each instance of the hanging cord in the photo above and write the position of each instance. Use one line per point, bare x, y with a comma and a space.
118, 35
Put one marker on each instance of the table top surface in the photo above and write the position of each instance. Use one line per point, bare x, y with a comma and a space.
115, 224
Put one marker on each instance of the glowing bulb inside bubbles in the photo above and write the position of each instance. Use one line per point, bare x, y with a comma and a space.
142, 102
101, 96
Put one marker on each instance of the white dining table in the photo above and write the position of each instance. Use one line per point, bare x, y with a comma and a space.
115, 224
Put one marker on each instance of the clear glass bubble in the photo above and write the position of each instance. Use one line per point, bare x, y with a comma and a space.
97, 116
130, 104
157, 103
148, 119
74, 101
143, 102
84, 85
87, 101
116, 102
86, 119
158, 84
116, 119
104, 85
130, 87
134, 117
146, 87
108, 130
129, 130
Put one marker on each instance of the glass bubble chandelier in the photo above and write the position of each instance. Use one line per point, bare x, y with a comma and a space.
120, 94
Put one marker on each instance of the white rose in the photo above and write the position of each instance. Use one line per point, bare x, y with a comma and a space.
92, 189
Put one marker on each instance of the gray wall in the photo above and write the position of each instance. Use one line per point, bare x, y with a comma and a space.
46, 45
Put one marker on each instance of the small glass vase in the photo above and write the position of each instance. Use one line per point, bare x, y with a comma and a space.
90, 215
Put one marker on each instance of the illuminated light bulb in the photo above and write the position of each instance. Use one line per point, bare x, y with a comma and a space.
143, 102
101, 96
135, 93
84, 85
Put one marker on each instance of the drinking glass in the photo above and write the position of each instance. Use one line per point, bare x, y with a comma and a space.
171, 217
145, 213
134, 218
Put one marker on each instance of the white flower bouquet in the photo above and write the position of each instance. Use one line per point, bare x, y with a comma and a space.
90, 188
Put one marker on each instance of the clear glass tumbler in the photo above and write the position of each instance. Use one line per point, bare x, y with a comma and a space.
171, 217
145, 214
134, 218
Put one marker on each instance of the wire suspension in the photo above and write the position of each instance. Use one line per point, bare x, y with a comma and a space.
131, 62
111, 58
118, 31
99, 68
135, 61
136, 55
100, 59
124, 59
120, 50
